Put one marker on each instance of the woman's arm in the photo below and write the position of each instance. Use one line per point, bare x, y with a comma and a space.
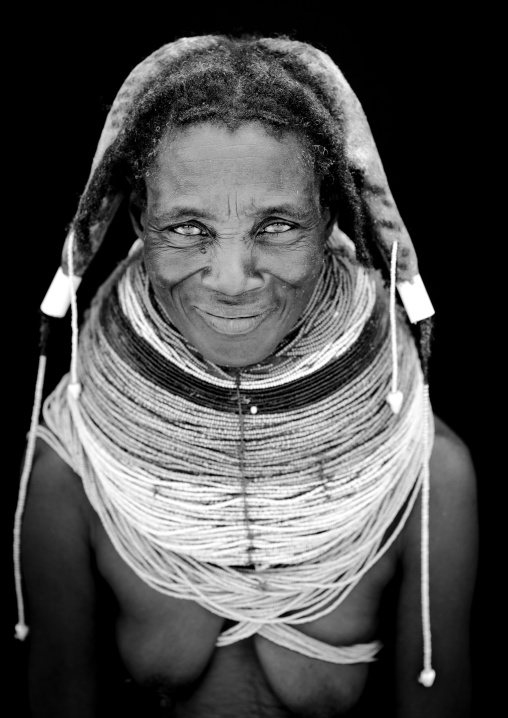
59, 584
453, 559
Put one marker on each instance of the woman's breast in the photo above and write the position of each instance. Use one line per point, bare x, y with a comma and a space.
308, 686
253, 678
169, 644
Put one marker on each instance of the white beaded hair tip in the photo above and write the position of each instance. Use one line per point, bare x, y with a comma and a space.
21, 631
415, 299
59, 295
427, 677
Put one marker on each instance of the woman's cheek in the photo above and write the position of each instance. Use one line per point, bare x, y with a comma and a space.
168, 267
299, 265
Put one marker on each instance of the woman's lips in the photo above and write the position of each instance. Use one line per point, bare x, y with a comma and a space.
232, 325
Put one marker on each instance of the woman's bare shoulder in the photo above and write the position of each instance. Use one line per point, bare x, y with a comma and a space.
452, 471
453, 499
55, 496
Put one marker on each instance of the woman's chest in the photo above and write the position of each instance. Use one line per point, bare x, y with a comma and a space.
170, 643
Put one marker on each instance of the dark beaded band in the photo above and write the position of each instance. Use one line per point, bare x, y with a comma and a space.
141, 356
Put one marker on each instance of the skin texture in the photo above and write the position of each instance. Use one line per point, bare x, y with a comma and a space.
234, 236
82, 598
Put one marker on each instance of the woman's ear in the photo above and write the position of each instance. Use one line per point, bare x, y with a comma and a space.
136, 213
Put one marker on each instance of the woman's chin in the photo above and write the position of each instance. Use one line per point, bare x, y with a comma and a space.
236, 354
234, 360
236, 350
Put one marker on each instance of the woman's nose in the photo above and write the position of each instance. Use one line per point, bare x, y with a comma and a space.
231, 268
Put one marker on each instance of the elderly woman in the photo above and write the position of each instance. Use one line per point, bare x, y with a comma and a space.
239, 489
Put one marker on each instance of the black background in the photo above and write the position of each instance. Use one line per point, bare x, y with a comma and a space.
418, 78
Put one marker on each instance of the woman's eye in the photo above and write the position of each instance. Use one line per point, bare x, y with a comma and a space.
277, 228
187, 230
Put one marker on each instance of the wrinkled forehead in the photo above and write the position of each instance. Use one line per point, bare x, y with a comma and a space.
207, 159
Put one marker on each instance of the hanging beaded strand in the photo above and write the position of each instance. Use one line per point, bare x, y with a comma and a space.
428, 674
395, 398
21, 628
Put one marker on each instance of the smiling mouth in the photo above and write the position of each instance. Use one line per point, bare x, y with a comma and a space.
232, 325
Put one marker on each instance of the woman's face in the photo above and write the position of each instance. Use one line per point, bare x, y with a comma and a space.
234, 236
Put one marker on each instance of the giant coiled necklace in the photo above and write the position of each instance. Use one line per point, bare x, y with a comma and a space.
264, 496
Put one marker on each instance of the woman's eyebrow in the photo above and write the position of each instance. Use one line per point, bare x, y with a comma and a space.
287, 209
182, 211
179, 211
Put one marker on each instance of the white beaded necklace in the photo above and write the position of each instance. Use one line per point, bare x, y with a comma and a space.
298, 502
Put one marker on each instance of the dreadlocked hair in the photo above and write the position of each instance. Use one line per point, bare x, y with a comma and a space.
424, 335
235, 81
